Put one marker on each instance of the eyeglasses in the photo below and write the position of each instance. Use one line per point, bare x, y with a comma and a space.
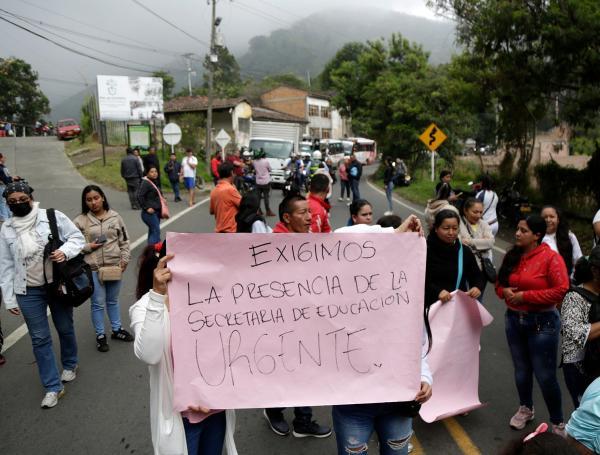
17, 201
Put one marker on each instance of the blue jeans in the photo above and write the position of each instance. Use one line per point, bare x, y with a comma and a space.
389, 189
355, 191
33, 307
345, 188
105, 294
5, 212
175, 186
153, 223
354, 424
533, 342
206, 437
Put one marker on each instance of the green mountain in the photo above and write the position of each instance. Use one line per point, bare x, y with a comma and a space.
311, 43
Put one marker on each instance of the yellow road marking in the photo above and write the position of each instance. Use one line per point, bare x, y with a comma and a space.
417, 447
461, 437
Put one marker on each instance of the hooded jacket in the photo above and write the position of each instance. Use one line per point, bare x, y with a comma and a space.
319, 212
542, 276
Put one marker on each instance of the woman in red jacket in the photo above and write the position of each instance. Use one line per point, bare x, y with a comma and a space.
533, 280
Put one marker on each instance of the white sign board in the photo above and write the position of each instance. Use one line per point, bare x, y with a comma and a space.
172, 133
223, 139
130, 98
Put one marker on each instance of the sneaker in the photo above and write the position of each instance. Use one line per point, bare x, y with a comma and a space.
311, 429
68, 375
410, 447
122, 335
51, 399
347, 199
277, 424
101, 343
559, 430
340, 199
520, 419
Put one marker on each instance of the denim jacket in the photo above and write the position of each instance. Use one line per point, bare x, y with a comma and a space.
13, 274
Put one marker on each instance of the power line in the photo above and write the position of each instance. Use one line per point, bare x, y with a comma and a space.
141, 45
61, 81
75, 51
262, 14
71, 41
141, 5
281, 9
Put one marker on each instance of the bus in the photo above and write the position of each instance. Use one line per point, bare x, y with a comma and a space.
366, 149
332, 148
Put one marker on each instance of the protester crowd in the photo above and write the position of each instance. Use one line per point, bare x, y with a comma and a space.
549, 286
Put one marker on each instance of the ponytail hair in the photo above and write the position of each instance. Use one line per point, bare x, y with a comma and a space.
584, 268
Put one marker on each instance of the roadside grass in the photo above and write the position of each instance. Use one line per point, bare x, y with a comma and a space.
110, 175
75, 144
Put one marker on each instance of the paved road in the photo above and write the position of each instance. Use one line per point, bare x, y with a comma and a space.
106, 409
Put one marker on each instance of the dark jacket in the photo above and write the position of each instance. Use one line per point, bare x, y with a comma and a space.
442, 269
130, 167
355, 164
388, 175
151, 161
173, 168
148, 197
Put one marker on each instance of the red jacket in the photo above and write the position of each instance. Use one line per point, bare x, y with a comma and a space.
319, 212
543, 278
214, 167
280, 228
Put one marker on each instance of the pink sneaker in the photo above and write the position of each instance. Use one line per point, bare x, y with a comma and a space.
559, 430
520, 419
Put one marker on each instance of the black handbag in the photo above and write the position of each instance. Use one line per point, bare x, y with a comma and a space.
72, 280
488, 269
407, 408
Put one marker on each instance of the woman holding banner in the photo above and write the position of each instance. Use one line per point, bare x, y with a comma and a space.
450, 265
197, 430
533, 280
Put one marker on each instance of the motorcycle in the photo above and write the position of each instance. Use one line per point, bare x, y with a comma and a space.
512, 206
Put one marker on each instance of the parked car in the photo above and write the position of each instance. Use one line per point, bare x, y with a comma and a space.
67, 129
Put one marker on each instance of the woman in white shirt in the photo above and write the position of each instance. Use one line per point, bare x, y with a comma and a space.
489, 198
197, 430
559, 237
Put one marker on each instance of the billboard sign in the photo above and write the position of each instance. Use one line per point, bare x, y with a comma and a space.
130, 98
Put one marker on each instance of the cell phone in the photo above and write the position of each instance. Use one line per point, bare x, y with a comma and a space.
101, 239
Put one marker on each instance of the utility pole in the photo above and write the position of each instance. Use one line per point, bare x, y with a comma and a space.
189, 71
212, 59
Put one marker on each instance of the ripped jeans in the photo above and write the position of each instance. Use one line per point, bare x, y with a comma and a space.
354, 424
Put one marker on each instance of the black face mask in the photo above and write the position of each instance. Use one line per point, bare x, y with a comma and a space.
21, 209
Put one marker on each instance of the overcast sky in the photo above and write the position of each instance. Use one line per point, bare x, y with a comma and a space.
63, 73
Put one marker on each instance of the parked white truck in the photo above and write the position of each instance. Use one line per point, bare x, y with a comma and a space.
279, 140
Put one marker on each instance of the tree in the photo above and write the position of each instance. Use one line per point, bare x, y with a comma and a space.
529, 54
227, 80
350, 52
392, 94
21, 99
168, 83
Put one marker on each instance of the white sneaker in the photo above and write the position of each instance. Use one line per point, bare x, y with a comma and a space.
51, 399
68, 375
347, 199
340, 199
410, 447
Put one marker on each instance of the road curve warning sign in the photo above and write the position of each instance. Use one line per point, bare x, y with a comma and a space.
433, 137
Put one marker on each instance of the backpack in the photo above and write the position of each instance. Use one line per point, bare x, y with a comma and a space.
591, 359
73, 283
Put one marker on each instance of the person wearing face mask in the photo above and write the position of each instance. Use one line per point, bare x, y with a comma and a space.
107, 252
24, 273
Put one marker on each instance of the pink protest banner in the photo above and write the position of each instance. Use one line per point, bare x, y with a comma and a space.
270, 320
454, 357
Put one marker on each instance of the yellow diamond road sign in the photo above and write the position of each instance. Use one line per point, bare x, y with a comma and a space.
433, 137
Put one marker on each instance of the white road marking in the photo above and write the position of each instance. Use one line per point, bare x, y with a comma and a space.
21, 331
